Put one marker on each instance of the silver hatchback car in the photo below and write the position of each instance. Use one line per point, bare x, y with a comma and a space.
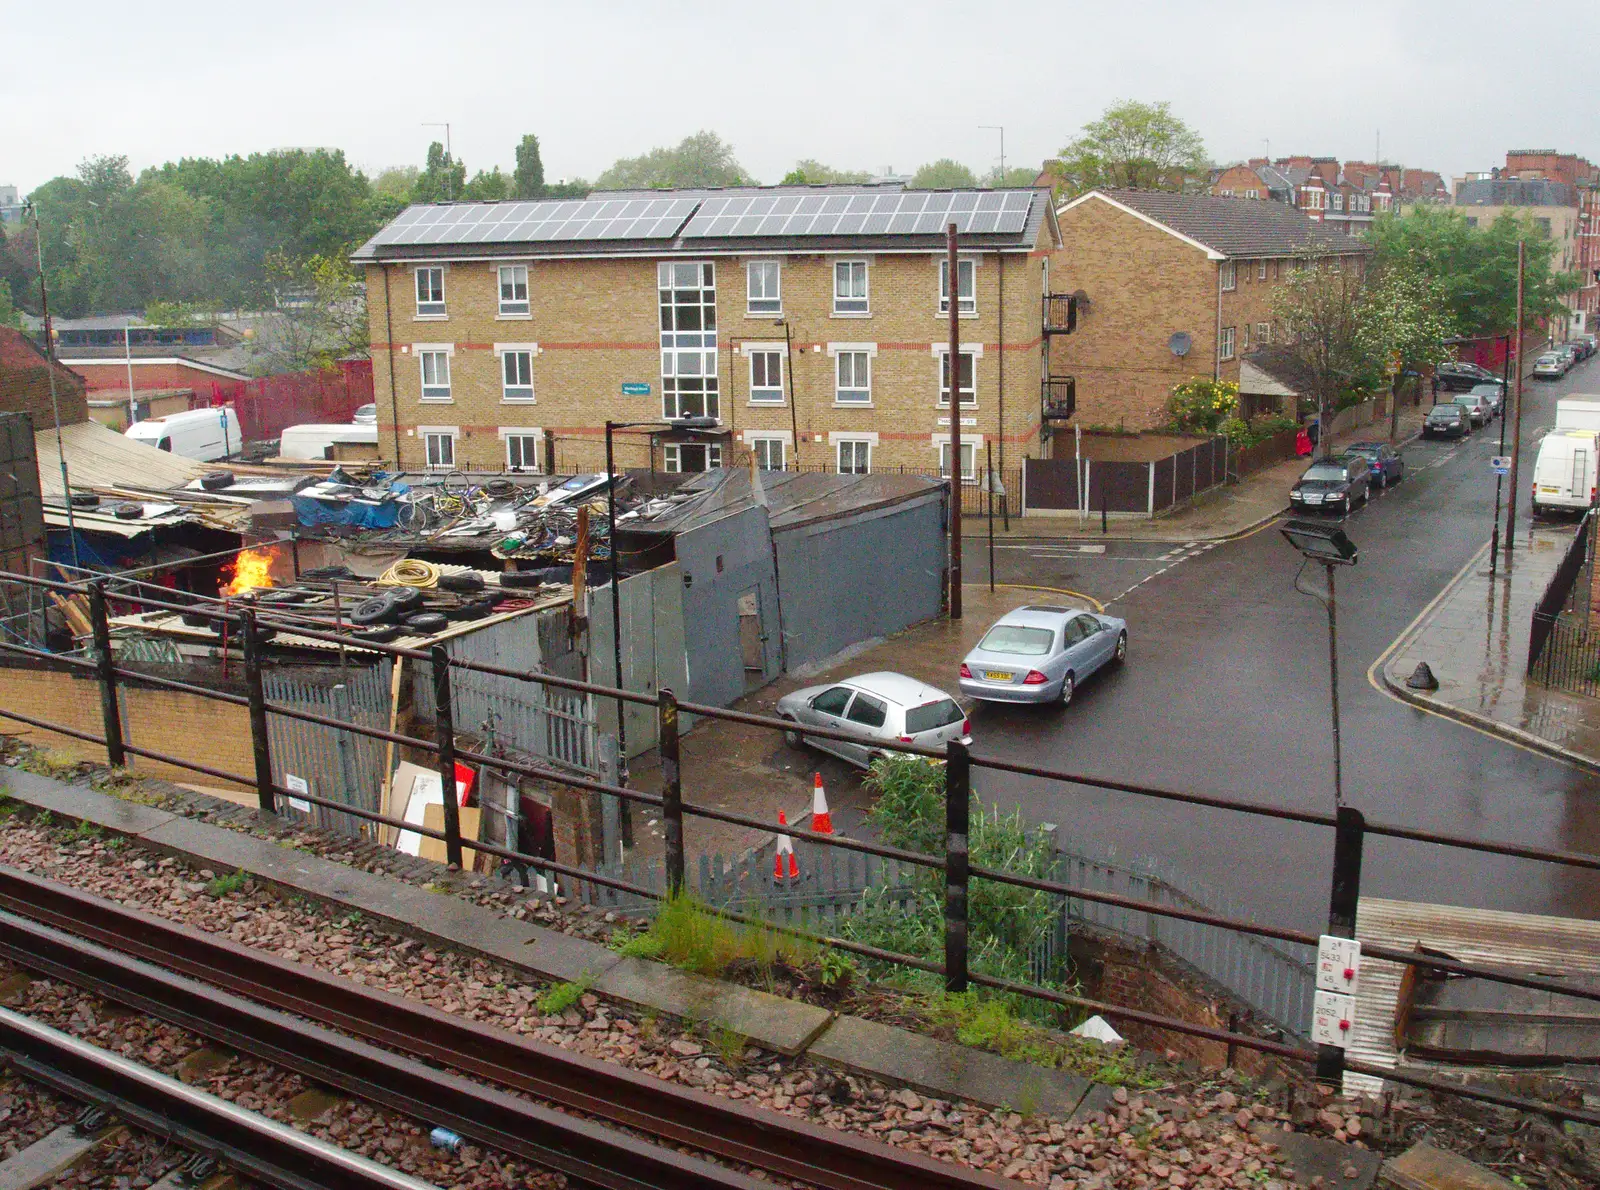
1041, 654
875, 708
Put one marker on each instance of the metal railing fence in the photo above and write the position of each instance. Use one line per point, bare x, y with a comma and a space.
249, 630
1553, 603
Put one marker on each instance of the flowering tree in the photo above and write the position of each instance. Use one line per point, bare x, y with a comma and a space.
1320, 306
1407, 323
1200, 405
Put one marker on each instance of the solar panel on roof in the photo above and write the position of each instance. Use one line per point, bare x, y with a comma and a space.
566, 219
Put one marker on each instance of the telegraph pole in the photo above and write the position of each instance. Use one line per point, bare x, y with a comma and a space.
1516, 408
953, 363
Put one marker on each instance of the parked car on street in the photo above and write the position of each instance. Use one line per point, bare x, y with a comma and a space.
1042, 653
1334, 484
1476, 406
1583, 345
875, 709
1447, 420
1459, 377
1384, 463
1569, 353
1552, 365
1592, 342
206, 434
1494, 393
367, 415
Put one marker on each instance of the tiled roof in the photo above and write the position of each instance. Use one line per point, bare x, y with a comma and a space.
1236, 226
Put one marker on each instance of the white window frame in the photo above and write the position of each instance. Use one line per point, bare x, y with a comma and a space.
854, 305
973, 351
672, 461
514, 307
966, 305
855, 354
764, 305
1261, 269
969, 452
430, 434
1256, 194
764, 444
1337, 201
433, 305
1263, 333
860, 444
516, 394
1230, 275
690, 354
771, 392
1225, 343
442, 394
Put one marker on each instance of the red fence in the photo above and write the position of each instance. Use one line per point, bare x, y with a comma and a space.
266, 405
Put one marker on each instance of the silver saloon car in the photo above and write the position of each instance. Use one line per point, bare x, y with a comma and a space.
875, 709
1042, 654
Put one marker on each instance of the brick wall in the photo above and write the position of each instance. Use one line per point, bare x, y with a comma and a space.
595, 323
1144, 285
182, 725
27, 390
112, 375
1239, 181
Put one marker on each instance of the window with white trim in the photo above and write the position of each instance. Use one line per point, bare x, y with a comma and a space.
1252, 194
430, 292
435, 365
763, 287
968, 380
516, 375
522, 452
1230, 275
513, 289
691, 456
1225, 348
967, 279
440, 446
1261, 269
853, 373
1263, 333
688, 293
769, 453
854, 456
969, 451
766, 377
850, 287
1338, 201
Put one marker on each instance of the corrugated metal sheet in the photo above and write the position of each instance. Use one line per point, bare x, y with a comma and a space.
1488, 936
98, 457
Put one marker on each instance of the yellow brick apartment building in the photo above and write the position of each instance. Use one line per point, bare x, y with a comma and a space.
810, 321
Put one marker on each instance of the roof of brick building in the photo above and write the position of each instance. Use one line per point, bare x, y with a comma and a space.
1234, 226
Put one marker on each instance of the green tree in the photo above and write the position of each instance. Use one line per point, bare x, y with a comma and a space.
703, 159
397, 181
1321, 306
487, 184
1016, 176
321, 315
9, 315
807, 172
527, 180
443, 178
943, 174
1406, 325
1133, 144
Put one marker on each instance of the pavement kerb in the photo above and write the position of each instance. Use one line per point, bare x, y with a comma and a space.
1383, 681
898, 1057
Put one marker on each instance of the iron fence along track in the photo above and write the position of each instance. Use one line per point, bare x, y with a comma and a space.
1350, 826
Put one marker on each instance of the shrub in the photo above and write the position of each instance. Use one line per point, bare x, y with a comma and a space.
1201, 405
1257, 430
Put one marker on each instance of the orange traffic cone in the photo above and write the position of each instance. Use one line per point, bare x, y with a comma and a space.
821, 820
785, 847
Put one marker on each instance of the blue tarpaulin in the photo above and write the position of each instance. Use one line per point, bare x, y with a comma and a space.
313, 510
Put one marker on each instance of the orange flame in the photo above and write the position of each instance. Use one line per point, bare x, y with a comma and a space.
251, 569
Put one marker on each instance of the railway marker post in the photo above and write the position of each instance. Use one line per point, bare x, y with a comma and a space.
957, 803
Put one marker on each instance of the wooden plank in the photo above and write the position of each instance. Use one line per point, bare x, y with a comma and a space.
1423, 1167
52, 1155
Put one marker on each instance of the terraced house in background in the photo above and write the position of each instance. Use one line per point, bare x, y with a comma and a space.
811, 322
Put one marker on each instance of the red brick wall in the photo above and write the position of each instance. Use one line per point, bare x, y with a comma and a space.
27, 390
113, 374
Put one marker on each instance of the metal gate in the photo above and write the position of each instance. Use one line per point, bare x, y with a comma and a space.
340, 765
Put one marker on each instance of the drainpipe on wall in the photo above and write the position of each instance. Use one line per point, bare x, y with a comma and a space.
1216, 334
388, 335
1000, 330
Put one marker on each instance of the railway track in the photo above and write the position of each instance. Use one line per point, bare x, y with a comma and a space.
599, 1124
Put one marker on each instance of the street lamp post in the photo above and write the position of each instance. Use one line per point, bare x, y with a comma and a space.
1330, 548
686, 423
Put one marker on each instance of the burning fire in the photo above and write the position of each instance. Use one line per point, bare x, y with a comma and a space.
251, 569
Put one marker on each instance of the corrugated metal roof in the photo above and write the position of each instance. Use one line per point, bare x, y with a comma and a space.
792, 498
1489, 936
98, 457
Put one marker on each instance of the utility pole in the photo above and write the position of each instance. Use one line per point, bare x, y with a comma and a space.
50, 368
1505, 389
449, 158
1516, 409
1000, 128
953, 363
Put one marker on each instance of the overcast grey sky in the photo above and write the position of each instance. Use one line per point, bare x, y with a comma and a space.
855, 83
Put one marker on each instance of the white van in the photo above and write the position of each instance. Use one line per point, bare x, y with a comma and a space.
312, 441
1579, 412
204, 434
1565, 476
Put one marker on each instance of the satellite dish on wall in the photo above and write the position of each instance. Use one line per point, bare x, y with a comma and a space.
1180, 343
1084, 304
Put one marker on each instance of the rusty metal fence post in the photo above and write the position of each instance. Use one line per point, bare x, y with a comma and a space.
1345, 896
105, 668
671, 787
444, 724
260, 743
957, 803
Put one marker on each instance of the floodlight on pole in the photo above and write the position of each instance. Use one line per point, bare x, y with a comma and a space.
1329, 547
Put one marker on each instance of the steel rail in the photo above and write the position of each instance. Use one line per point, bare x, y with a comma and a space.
66, 927
589, 1153
262, 1150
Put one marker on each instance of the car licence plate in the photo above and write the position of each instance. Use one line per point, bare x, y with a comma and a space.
1543, 488
997, 675
1310, 499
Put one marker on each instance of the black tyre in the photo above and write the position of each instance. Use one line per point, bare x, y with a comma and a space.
427, 622
793, 738
406, 599
513, 579
215, 481
380, 635
85, 500
469, 581
127, 511
1069, 687
1122, 648
378, 609
478, 609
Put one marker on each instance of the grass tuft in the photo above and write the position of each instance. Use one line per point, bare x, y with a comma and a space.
223, 885
688, 935
559, 997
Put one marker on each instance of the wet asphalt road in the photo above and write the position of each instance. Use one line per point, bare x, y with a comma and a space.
1226, 692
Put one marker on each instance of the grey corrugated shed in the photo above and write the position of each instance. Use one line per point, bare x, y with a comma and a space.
792, 498
1238, 226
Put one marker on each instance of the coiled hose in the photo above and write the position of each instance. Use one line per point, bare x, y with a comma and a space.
410, 572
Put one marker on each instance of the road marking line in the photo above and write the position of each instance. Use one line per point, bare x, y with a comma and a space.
1098, 606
